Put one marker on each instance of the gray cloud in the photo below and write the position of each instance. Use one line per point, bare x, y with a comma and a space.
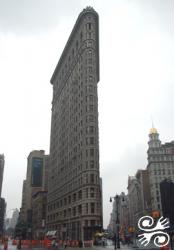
35, 15
160, 12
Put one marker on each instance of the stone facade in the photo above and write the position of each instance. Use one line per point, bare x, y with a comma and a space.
139, 196
160, 166
39, 202
23, 210
36, 180
2, 162
74, 194
14, 218
135, 200
2, 216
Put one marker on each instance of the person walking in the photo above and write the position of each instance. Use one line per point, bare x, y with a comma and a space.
19, 244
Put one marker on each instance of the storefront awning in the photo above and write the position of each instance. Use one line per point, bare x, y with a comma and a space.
51, 233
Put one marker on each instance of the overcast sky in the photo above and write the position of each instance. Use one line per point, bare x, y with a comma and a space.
136, 83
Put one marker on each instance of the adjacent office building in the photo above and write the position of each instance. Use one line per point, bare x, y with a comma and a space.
2, 161
167, 199
138, 196
160, 166
39, 202
14, 218
2, 216
36, 180
2, 200
74, 194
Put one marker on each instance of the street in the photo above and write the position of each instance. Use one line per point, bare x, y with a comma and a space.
123, 247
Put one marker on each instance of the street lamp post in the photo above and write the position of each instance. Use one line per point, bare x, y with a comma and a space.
117, 229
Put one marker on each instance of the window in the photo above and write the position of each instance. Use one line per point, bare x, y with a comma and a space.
81, 36
90, 129
91, 152
74, 211
80, 194
92, 178
92, 222
91, 164
86, 192
90, 60
80, 209
86, 164
89, 52
74, 197
91, 140
86, 178
86, 208
90, 78
73, 52
88, 26
92, 207
92, 192
77, 44
90, 69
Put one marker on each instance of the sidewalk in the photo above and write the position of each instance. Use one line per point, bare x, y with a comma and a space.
122, 247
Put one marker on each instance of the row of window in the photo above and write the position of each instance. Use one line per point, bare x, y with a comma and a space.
89, 35
162, 172
88, 193
90, 208
85, 223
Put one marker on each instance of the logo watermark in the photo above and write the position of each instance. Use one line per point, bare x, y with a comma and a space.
153, 231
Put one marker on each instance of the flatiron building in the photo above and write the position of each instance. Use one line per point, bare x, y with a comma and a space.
74, 209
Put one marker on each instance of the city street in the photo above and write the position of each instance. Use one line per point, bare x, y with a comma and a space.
123, 247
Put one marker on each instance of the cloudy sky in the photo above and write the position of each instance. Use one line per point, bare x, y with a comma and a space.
136, 83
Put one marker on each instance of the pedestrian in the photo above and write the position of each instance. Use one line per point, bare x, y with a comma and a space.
65, 244
19, 244
54, 244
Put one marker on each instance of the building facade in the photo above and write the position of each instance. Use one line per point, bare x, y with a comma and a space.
160, 166
2, 216
74, 193
142, 177
23, 209
39, 203
36, 180
2, 162
167, 199
14, 218
135, 200
138, 196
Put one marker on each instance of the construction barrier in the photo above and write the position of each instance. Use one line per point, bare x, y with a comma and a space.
14, 242
88, 243
48, 243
